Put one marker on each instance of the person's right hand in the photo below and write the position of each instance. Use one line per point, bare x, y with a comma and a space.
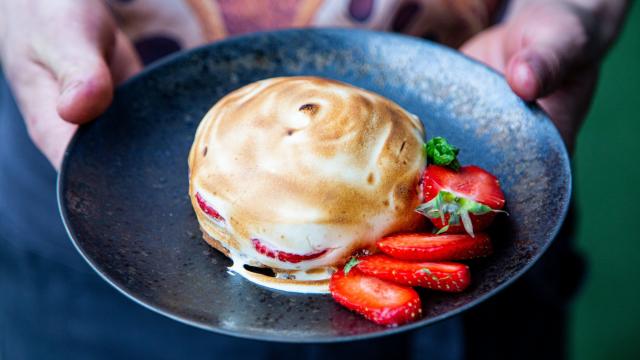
550, 52
62, 59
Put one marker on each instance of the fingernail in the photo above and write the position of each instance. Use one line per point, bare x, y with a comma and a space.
538, 68
525, 80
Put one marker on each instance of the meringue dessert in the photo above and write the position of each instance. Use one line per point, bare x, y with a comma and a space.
295, 174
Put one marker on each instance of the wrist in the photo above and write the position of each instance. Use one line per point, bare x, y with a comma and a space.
602, 19
605, 18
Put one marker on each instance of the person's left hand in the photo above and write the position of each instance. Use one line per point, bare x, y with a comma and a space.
549, 51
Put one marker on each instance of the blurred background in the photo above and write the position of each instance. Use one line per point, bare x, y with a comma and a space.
606, 315
605, 322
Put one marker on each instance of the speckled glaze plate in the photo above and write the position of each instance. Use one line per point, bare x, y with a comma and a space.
123, 184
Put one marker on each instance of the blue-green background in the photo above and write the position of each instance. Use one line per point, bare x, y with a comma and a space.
606, 315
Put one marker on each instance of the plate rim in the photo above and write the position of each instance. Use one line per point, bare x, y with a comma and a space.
62, 203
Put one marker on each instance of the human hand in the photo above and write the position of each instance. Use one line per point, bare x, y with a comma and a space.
62, 59
550, 51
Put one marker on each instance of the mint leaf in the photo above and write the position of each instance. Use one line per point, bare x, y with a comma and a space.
350, 264
441, 153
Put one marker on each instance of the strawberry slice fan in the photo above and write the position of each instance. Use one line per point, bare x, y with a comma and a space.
457, 198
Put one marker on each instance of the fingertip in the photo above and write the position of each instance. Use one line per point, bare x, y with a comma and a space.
86, 97
523, 79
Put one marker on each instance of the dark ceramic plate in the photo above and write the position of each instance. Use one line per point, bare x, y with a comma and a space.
123, 184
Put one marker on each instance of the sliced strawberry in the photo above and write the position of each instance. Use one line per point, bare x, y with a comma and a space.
459, 201
285, 256
207, 209
380, 301
432, 247
443, 276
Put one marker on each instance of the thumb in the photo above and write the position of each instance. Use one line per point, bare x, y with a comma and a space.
545, 45
79, 63
86, 90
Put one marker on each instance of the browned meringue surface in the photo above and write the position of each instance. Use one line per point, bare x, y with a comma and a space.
305, 164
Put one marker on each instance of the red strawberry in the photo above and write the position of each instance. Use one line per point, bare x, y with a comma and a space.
443, 276
207, 209
285, 256
459, 201
380, 301
432, 247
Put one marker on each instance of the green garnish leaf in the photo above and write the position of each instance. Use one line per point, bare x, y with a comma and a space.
466, 222
425, 270
473, 207
458, 208
350, 264
454, 217
443, 230
440, 152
